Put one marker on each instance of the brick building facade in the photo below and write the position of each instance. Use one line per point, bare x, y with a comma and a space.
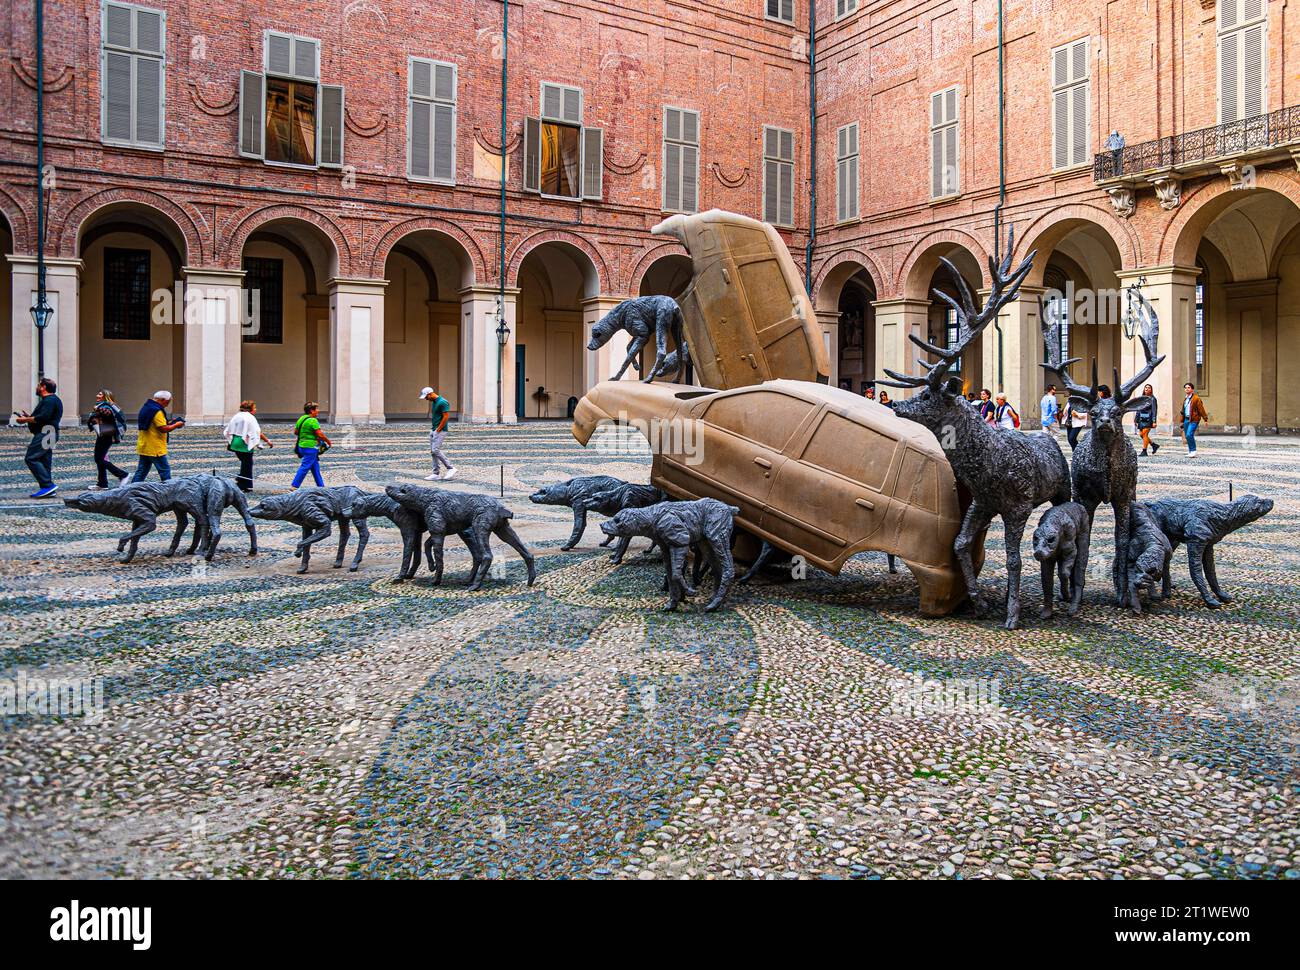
343, 160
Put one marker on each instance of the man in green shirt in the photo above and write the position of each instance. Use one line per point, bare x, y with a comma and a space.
439, 412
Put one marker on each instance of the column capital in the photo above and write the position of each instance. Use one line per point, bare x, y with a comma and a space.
348, 284
24, 263
482, 291
1157, 275
1026, 289
902, 303
591, 301
213, 275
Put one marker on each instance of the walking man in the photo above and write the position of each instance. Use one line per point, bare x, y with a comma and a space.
43, 423
439, 412
151, 441
1050, 410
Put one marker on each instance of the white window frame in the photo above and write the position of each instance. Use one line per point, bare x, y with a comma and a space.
1238, 33
778, 19
845, 9
794, 148
135, 54
267, 73
545, 119
1067, 88
856, 155
663, 196
432, 100
955, 124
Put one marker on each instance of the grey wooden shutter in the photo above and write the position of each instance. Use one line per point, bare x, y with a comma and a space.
444, 142
532, 155
846, 173
672, 201
117, 96
593, 163
117, 25
330, 127
1252, 71
148, 100
1070, 89
279, 54
306, 59
419, 139
1243, 59
252, 109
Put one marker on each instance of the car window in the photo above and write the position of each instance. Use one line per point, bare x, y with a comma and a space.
763, 416
850, 449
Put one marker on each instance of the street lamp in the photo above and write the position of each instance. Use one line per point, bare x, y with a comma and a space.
503, 331
503, 338
1131, 315
41, 314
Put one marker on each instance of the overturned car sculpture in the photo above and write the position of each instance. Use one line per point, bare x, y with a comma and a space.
816, 471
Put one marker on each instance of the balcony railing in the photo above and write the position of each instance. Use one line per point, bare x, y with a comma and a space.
1262, 132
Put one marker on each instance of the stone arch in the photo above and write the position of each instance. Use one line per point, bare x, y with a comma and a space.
252, 221
839, 269
475, 262
192, 229
601, 277
1047, 231
1182, 236
922, 260
648, 259
16, 216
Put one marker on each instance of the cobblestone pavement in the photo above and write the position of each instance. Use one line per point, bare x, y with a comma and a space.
260, 723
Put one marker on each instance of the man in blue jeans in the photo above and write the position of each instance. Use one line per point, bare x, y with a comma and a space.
43, 423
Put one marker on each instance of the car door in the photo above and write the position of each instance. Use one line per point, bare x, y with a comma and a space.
834, 494
741, 435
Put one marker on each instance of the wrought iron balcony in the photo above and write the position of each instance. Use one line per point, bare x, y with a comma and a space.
1206, 146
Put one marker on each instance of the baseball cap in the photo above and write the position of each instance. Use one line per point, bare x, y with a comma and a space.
425, 393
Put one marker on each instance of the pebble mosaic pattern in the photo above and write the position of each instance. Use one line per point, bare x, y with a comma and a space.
260, 723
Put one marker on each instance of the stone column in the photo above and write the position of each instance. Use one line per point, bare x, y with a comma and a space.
895, 320
1022, 353
317, 363
481, 355
830, 325
600, 365
62, 340
1171, 290
213, 327
357, 351
1251, 309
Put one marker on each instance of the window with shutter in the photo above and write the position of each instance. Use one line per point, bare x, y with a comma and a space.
846, 173
1071, 83
681, 165
561, 157
133, 69
845, 7
778, 176
431, 121
944, 179
296, 120
782, 10
1243, 59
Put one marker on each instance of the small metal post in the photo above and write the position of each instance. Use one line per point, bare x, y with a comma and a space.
503, 481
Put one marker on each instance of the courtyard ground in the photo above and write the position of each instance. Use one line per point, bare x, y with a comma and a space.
337, 724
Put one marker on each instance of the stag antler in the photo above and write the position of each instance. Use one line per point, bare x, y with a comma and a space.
1052, 339
970, 322
1148, 334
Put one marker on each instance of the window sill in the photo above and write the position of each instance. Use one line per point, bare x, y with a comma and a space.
1071, 171
293, 165
946, 199
856, 221
777, 20
133, 146
444, 183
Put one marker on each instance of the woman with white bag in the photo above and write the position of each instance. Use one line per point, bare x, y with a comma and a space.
244, 436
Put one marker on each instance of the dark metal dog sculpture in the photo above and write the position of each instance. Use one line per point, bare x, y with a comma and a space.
409, 522
597, 493
220, 494
1008, 473
1200, 524
1061, 541
676, 526
1104, 467
475, 518
141, 503
642, 317
1149, 553
314, 509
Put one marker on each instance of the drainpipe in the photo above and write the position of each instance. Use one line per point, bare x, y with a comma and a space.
501, 246
1002, 175
40, 177
812, 149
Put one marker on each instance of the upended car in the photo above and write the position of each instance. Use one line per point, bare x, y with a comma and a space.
816, 471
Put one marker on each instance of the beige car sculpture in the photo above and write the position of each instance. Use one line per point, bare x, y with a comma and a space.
816, 471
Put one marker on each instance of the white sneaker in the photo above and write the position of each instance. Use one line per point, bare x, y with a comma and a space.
451, 473
435, 477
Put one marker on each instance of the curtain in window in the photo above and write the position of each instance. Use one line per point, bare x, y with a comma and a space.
561, 160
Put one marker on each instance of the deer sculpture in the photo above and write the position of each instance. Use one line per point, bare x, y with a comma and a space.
1008, 473
1104, 467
